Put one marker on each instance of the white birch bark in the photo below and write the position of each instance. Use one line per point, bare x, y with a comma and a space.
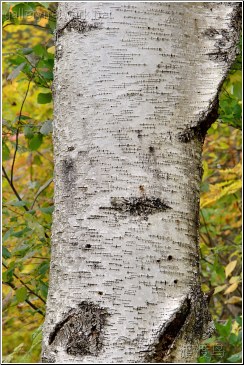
136, 87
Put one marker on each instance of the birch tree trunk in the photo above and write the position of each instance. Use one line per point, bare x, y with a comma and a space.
136, 88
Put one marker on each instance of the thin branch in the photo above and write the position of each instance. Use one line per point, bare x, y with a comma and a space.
205, 224
34, 25
13, 188
38, 310
42, 188
41, 154
17, 133
36, 71
17, 195
25, 285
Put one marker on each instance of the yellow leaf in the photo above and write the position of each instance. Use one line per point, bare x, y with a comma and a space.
234, 279
51, 49
205, 288
233, 300
230, 267
231, 288
43, 22
235, 327
205, 170
219, 288
217, 191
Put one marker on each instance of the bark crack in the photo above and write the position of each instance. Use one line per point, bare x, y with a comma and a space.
170, 333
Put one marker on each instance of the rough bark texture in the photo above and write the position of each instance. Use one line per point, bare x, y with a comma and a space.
136, 87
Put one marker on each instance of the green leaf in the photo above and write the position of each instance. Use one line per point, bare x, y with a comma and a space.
35, 142
43, 268
239, 320
47, 127
47, 75
18, 203
224, 329
21, 232
47, 210
21, 9
28, 132
6, 253
43, 289
233, 339
22, 250
40, 51
21, 294
27, 51
7, 234
235, 358
44, 98
7, 276
5, 151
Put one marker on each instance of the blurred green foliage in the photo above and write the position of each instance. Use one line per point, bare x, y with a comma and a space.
221, 222
28, 58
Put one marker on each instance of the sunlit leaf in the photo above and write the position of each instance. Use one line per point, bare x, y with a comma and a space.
231, 288
233, 300
219, 288
230, 267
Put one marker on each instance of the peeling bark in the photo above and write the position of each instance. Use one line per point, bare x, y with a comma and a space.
136, 88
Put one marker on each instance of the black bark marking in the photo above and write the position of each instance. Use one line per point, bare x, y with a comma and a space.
78, 25
189, 325
81, 331
142, 206
209, 295
206, 119
225, 39
226, 49
170, 333
71, 148
69, 172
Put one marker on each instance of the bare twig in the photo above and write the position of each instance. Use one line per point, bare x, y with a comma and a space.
13, 188
34, 25
41, 189
25, 285
17, 133
38, 310
207, 231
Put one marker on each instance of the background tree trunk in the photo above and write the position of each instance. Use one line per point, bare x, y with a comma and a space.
136, 88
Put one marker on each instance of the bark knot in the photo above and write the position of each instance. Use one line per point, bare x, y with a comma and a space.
81, 330
142, 206
78, 25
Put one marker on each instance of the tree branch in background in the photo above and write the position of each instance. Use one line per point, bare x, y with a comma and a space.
41, 189
17, 133
33, 306
25, 285
13, 187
